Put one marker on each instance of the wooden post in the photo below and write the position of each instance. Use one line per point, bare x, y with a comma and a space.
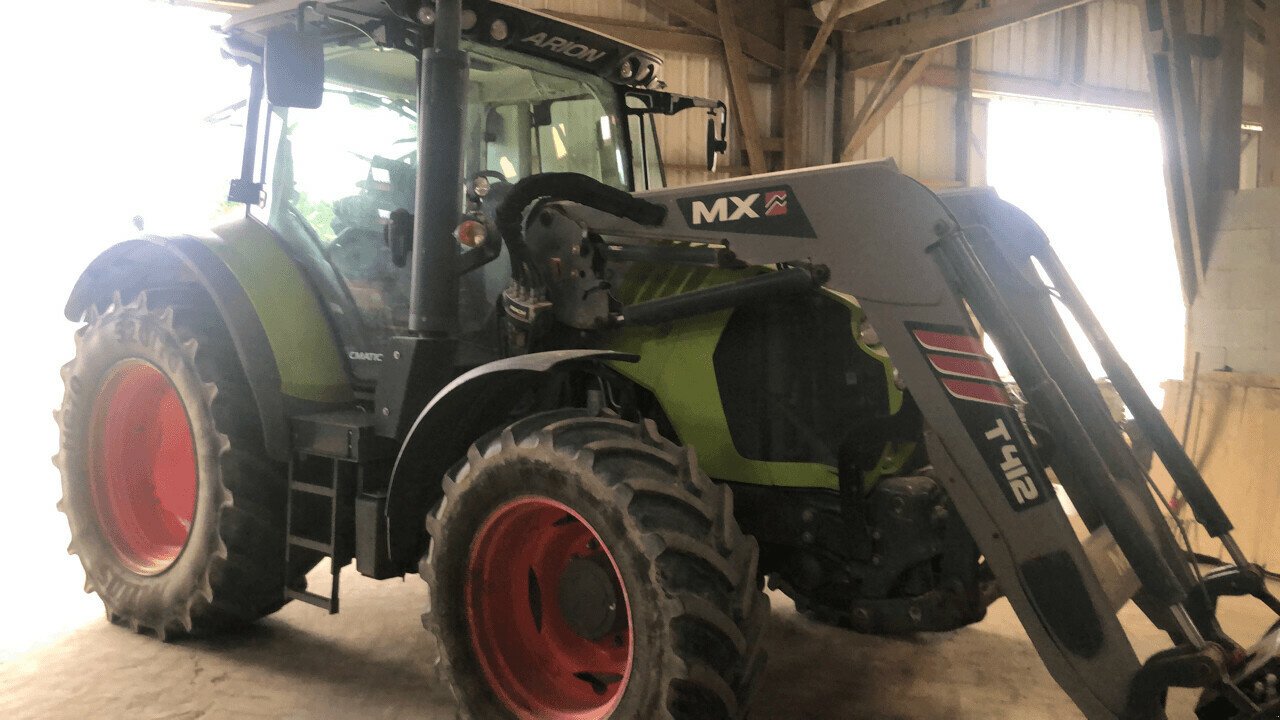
874, 97
792, 97
819, 42
1173, 94
706, 21
1269, 151
741, 85
1222, 104
964, 108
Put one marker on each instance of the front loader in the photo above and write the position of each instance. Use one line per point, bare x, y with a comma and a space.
463, 330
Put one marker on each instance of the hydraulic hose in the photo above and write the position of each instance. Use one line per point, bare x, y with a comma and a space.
574, 187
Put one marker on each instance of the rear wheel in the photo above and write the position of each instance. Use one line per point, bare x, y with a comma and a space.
583, 567
175, 512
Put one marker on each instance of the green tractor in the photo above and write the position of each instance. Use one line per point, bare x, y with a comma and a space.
464, 330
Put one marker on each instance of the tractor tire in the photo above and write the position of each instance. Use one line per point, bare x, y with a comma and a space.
176, 513
569, 549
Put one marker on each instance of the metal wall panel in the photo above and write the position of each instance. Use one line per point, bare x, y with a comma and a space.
919, 133
1027, 49
1115, 56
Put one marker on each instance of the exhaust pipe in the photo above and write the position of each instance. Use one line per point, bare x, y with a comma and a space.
442, 100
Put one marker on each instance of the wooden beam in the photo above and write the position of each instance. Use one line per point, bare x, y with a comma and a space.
819, 43
1269, 150
650, 36
736, 63
831, 114
964, 108
876, 95
883, 12
940, 76
871, 47
707, 21
771, 143
793, 106
1255, 21
860, 133
1221, 99
1173, 94
945, 77
730, 170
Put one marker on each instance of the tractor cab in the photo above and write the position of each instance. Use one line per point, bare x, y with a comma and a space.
336, 182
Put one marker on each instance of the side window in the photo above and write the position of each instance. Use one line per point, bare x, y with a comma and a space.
351, 162
573, 135
506, 138
338, 172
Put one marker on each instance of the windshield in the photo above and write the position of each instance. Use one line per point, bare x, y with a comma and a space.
522, 119
339, 171
537, 118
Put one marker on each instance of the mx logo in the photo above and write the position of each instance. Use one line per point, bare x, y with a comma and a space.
718, 210
775, 202
772, 210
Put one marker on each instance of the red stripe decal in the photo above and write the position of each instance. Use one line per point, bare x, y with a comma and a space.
976, 391
947, 342
964, 367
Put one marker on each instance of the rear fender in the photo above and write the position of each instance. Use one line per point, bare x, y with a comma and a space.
280, 332
467, 408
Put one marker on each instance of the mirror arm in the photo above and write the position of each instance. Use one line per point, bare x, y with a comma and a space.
244, 189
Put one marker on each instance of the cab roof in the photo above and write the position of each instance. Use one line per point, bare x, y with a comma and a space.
496, 24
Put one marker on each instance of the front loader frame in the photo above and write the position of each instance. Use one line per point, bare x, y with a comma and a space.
923, 268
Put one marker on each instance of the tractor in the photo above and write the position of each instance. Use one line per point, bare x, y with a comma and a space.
463, 329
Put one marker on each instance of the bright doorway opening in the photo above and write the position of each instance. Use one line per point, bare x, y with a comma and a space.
1092, 178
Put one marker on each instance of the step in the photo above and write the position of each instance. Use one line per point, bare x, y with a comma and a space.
311, 488
341, 435
308, 543
310, 598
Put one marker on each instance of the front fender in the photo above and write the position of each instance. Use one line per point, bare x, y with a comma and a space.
465, 409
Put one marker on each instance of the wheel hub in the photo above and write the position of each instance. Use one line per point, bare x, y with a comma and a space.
588, 597
142, 467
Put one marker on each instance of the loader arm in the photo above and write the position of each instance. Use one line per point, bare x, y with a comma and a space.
922, 268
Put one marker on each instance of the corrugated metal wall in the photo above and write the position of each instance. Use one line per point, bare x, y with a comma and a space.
920, 132
1028, 49
1114, 54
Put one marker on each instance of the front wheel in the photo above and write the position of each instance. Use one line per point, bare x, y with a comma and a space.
584, 567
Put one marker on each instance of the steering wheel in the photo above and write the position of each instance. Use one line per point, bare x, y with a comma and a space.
499, 186
357, 253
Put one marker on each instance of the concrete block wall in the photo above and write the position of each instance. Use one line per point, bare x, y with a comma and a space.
1235, 320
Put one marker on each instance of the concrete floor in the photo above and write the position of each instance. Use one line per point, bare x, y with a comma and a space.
372, 662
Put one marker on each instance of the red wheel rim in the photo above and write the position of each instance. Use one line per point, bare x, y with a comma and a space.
526, 619
142, 471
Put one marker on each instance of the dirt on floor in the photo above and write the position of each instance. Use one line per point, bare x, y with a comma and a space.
374, 661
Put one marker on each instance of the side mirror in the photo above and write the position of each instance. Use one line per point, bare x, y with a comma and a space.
294, 67
716, 137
